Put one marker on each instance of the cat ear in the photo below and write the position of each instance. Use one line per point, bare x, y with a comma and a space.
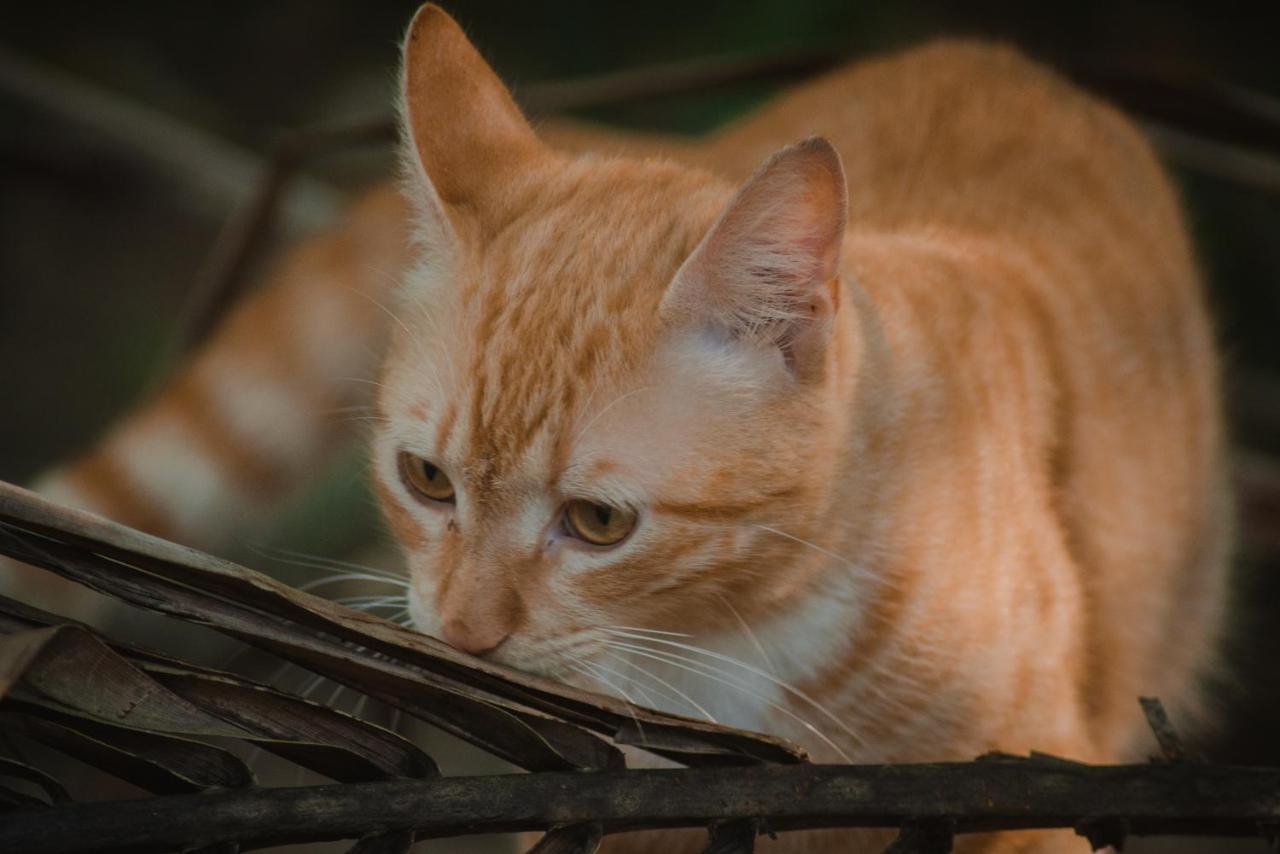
464, 135
767, 270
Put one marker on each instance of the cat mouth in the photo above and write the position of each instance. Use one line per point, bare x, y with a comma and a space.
550, 658
536, 662
559, 658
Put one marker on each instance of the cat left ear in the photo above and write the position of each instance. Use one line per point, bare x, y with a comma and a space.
767, 270
464, 134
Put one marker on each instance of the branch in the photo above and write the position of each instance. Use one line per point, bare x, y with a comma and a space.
221, 280
990, 795
212, 173
674, 78
1168, 739
1200, 106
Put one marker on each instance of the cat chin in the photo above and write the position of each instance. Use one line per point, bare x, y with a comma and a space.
535, 659
421, 619
559, 671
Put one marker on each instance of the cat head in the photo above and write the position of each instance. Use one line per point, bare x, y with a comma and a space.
611, 396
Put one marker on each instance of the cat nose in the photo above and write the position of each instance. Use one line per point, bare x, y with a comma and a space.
475, 638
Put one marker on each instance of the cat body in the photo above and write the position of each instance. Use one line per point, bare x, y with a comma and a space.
912, 433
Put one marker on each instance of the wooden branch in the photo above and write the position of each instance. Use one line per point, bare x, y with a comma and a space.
1201, 106
210, 173
222, 278
1160, 798
1237, 164
1168, 738
674, 78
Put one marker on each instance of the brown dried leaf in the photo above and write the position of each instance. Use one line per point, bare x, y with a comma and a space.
331, 743
458, 708
324, 740
13, 799
22, 771
179, 581
161, 764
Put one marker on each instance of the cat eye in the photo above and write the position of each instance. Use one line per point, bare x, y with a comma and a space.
598, 524
425, 478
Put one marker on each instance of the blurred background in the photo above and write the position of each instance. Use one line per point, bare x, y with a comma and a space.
131, 132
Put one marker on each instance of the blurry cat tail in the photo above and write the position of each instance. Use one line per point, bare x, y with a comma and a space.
254, 412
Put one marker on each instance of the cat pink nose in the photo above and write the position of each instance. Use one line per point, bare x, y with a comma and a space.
476, 639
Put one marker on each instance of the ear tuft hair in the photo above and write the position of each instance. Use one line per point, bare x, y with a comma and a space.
464, 136
765, 269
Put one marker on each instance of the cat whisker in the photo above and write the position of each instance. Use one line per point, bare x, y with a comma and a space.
371, 600
578, 667
322, 563
870, 577
333, 564
750, 668
611, 405
649, 631
565, 644
364, 380
585, 406
389, 313
844, 561
626, 680
901, 674
587, 668
376, 609
428, 346
371, 419
353, 576
746, 629
701, 669
425, 313
655, 677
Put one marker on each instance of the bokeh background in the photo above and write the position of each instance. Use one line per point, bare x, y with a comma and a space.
131, 131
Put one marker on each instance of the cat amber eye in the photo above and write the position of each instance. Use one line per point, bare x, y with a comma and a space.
598, 524
425, 478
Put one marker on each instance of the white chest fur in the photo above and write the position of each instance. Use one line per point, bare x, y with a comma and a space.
759, 677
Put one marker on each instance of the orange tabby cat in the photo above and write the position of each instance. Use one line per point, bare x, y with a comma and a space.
905, 444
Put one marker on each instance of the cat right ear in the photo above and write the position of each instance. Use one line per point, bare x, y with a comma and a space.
464, 136
767, 271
